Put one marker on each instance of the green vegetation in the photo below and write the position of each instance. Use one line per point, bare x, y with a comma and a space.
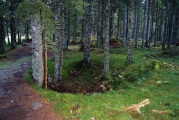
152, 75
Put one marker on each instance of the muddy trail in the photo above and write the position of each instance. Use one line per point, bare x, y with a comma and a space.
18, 100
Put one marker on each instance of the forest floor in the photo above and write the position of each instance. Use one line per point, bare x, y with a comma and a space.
153, 75
18, 100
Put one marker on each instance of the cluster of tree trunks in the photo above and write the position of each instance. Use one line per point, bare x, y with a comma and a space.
129, 21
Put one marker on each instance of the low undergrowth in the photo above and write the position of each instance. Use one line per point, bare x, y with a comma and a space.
150, 76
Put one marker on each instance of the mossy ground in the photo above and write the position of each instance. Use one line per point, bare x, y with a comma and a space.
129, 85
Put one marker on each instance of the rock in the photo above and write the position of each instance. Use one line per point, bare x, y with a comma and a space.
36, 105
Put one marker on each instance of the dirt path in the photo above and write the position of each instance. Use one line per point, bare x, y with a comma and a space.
18, 100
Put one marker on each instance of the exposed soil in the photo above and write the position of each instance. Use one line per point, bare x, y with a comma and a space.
18, 100
74, 85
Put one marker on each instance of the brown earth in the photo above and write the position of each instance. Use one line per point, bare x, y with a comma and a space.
18, 100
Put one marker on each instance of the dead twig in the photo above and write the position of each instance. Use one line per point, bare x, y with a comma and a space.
137, 107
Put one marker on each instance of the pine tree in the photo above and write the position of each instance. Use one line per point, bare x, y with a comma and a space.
88, 34
106, 42
145, 23
138, 23
58, 43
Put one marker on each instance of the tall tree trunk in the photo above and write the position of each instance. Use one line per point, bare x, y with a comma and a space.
12, 26
88, 34
7, 32
58, 44
99, 23
152, 22
13, 34
145, 23
170, 26
106, 43
74, 30
18, 33
160, 23
135, 19
27, 30
175, 29
129, 32
68, 26
165, 25
127, 25
102, 25
148, 25
2, 36
118, 25
37, 50
156, 25
111, 20
82, 30
138, 23
124, 25
64, 31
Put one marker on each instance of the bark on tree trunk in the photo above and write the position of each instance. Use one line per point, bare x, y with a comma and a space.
118, 25
152, 22
88, 34
27, 30
165, 28
2, 36
148, 25
64, 31
138, 23
58, 44
99, 24
124, 25
18, 33
82, 30
74, 30
135, 19
7, 32
111, 20
106, 43
69, 28
37, 50
156, 25
102, 25
129, 49
12, 28
145, 23
44, 59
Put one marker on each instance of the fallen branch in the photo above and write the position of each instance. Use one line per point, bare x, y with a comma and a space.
160, 111
137, 107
